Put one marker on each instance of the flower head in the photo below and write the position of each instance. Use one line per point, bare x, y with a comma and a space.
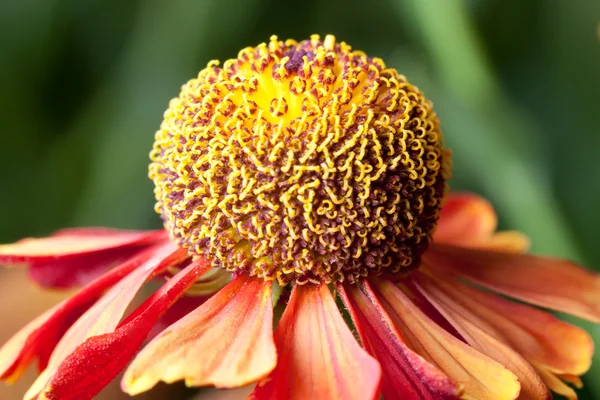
303, 162
315, 166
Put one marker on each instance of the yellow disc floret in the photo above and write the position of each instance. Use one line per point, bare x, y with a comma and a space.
301, 162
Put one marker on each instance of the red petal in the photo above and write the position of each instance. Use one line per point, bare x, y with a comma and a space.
39, 337
406, 375
424, 305
99, 359
78, 271
74, 243
476, 333
103, 316
546, 282
183, 306
482, 377
465, 219
535, 334
318, 356
227, 342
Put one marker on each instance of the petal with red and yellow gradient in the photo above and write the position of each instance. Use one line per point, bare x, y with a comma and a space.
75, 257
572, 379
406, 375
103, 316
547, 282
506, 241
465, 218
39, 337
537, 335
424, 305
482, 337
183, 306
98, 360
556, 384
227, 342
74, 243
469, 220
318, 357
78, 271
481, 377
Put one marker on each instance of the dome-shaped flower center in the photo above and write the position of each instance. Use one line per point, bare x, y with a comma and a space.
301, 162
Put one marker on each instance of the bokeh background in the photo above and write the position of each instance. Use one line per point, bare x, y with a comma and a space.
83, 85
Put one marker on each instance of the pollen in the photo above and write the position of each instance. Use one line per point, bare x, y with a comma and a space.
301, 162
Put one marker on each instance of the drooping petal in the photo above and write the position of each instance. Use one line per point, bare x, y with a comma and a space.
421, 301
75, 257
227, 342
96, 362
555, 384
481, 377
470, 221
74, 243
183, 306
406, 375
572, 379
506, 241
543, 281
318, 357
483, 337
537, 335
103, 316
465, 219
69, 272
39, 338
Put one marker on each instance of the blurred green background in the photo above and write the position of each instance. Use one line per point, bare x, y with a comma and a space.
83, 85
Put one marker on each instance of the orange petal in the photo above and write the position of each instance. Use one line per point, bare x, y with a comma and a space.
476, 332
74, 242
543, 281
424, 305
465, 218
97, 361
507, 241
572, 379
406, 375
102, 317
318, 357
226, 342
481, 377
538, 336
39, 337
556, 385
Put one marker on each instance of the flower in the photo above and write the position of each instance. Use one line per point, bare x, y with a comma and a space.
301, 171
